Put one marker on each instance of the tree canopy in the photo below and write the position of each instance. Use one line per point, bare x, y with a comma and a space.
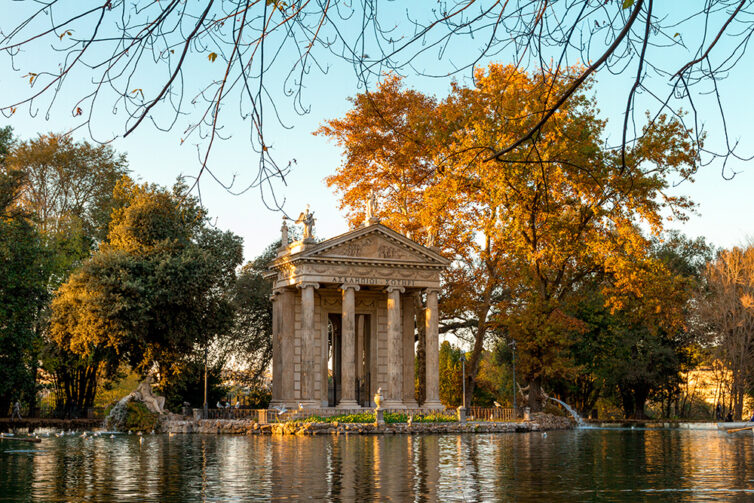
156, 288
522, 239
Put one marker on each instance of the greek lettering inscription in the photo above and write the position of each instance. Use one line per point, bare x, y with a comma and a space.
373, 281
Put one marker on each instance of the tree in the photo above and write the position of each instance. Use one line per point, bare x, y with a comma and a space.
640, 351
24, 266
249, 343
156, 289
450, 375
523, 239
66, 189
727, 307
69, 185
189, 63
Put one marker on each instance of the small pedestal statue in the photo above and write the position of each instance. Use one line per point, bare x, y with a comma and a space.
379, 418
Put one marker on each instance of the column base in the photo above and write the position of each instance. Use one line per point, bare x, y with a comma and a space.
348, 404
410, 404
392, 404
433, 404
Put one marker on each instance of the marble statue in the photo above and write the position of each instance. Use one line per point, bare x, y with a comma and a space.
144, 393
372, 209
307, 218
431, 237
284, 234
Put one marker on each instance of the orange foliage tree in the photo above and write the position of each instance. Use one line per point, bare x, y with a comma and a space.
522, 237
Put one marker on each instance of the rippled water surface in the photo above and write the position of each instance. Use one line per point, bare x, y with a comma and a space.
583, 465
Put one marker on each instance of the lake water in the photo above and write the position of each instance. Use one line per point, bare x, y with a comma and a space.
581, 465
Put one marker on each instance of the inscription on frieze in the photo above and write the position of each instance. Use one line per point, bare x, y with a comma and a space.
373, 281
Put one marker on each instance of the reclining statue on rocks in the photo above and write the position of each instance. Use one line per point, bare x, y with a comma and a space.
144, 394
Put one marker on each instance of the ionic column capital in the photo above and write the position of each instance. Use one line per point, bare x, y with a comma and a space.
350, 286
306, 284
393, 288
432, 290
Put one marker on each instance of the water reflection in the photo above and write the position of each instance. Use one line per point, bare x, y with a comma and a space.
586, 465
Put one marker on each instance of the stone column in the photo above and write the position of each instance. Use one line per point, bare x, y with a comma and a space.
409, 356
433, 351
348, 348
308, 363
394, 398
277, 363
284, 355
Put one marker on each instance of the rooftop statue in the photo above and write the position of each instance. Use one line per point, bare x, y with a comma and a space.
307, 218
372, 217
284, 234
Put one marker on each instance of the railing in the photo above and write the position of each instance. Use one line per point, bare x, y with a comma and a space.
233, 413
47, 412
492, 414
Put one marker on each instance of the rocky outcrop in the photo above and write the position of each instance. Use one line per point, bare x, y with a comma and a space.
117, 419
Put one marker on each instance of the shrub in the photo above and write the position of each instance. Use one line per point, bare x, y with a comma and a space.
139, 418
390, 418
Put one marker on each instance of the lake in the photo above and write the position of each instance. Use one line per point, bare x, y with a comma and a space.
581, 465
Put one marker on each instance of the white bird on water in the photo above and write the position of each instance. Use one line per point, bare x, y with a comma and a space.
281, 410
112, 436
544, 435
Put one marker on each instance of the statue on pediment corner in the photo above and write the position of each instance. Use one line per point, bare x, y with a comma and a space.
307, 218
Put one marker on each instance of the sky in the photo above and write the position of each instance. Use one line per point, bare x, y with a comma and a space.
723, 216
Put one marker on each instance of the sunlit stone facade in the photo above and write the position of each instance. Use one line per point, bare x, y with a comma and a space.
344, 320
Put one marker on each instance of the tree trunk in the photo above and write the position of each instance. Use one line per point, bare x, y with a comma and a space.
535, 395
476, 354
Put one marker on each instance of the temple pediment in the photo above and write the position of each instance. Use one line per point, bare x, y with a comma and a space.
372, 255
374, 244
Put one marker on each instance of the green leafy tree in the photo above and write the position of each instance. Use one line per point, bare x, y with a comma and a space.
640, 351
157, 287
450, 375
66, 189
24, 267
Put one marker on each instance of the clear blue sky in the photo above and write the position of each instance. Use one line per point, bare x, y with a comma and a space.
725, 207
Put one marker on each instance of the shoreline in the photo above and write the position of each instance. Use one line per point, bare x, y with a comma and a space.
543, 422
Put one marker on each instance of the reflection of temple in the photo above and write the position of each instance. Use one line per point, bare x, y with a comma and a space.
355, 468
344, 319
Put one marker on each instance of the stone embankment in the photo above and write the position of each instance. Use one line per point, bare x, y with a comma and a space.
539, 422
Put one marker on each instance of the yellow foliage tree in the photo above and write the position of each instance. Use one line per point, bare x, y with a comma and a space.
525, 235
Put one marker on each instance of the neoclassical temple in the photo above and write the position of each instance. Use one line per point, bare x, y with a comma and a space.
345, 318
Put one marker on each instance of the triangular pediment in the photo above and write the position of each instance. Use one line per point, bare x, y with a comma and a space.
375, 243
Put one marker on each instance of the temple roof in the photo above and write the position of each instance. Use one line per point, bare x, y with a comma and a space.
369, 251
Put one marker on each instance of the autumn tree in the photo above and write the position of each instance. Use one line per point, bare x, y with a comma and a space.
727, 307
522, 239
157, 287
639, 352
